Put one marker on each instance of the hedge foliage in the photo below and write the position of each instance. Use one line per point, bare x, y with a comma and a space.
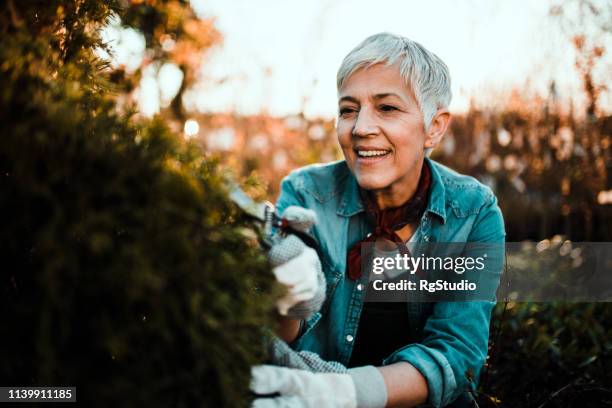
126, 272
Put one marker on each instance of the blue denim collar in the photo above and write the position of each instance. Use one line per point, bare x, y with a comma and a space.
350, 201
437, 195
351, 204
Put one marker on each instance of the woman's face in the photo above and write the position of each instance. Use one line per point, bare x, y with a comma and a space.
380, 129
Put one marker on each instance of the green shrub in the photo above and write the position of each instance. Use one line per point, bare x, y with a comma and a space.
550, 355
126, 272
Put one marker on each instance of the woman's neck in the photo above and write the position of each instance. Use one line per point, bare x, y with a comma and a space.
398, 193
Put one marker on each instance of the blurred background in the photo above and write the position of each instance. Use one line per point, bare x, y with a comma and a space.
249, 85
253, 82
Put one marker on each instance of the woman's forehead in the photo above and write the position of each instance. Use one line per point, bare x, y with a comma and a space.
375, 82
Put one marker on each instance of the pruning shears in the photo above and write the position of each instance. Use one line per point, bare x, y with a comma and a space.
265, 214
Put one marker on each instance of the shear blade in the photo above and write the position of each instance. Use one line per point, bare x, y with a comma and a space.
247, 204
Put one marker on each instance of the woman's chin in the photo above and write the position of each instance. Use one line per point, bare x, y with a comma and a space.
371, 182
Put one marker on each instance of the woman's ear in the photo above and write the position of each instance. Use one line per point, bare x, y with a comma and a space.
437, 128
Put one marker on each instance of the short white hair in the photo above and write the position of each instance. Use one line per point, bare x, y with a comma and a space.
423, 71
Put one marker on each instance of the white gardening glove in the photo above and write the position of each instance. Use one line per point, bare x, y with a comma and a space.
299, 275
315, 386
297, 267
301, 389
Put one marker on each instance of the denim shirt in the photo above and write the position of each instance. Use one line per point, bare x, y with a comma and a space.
453, 336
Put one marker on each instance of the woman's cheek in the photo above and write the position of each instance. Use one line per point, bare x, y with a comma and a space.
343, 131
342, 139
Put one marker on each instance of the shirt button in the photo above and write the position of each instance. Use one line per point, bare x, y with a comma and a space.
360, 287
349, 338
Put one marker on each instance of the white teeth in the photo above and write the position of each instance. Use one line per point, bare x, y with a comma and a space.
369, 153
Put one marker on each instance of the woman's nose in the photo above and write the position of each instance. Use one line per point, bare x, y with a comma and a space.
365, 124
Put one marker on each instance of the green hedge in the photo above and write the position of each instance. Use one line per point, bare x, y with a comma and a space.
126, 272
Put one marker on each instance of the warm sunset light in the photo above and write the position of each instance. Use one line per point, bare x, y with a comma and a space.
489, 47
306, 203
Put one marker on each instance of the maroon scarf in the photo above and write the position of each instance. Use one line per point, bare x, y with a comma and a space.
390, 220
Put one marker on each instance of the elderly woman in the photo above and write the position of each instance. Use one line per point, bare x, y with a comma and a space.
393, 96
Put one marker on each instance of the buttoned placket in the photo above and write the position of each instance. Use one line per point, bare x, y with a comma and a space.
415, 309
359, 292
356, 223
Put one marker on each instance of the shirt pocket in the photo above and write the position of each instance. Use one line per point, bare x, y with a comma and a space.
463, 211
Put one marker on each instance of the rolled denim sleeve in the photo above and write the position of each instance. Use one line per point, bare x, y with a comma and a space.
455, 337
455, 346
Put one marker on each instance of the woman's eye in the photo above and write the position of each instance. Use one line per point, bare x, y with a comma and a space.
387, 108
346, 111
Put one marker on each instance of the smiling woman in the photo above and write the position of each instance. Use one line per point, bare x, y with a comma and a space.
393, 96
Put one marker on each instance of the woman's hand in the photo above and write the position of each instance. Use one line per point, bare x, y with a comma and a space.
299, 274
361, 387
301, 381
298, 388
297, 267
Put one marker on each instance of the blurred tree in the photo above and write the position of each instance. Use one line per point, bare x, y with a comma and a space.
126, 271
588, 25
173, 35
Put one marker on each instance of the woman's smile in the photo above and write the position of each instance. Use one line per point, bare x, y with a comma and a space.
367, 156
